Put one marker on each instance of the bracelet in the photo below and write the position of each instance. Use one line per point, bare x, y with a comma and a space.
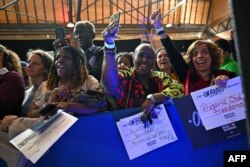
111, 52
151, 97
109, 46
159, 30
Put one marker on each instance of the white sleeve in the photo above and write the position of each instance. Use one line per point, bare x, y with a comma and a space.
42, 95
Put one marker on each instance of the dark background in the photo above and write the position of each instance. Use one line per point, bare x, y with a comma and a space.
21, 47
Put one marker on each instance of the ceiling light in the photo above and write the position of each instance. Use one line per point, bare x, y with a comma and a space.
169, 25
70, 25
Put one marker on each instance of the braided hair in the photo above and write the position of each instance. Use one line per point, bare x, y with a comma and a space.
80, 72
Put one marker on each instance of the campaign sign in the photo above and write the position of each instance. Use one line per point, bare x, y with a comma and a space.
218, 106
197, 133
139, 140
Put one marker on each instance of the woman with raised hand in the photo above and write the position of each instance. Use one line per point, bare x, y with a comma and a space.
138, 86
203, 61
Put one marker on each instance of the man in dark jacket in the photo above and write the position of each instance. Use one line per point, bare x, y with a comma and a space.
84, 33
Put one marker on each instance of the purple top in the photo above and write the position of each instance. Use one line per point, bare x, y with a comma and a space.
11, 93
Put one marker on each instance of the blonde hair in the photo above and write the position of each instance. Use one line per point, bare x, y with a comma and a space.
11, 60
47, 60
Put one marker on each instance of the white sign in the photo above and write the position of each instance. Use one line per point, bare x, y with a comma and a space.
33, 144
139, 140
219, 106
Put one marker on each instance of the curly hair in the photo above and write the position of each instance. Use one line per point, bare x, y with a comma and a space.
215, 53
11, 60
80, 72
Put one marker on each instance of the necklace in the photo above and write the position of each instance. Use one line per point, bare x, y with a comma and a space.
212, 80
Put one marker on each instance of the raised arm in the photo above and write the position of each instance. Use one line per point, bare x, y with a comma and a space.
109, 78
177, 61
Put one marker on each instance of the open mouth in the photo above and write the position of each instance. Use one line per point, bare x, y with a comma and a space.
60, 68
143, 67
163, 62
200, 62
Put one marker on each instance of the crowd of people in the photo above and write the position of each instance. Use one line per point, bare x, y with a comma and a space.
143, 78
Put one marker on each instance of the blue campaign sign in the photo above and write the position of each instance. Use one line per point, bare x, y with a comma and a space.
95, 141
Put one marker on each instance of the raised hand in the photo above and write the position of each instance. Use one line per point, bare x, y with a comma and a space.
110, 33
156, 19
59, 43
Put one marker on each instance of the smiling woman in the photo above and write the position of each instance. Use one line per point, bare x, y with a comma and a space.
67, 84
138, 86
203, 60
163, 63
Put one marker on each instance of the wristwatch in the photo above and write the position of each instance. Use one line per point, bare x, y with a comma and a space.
151, 97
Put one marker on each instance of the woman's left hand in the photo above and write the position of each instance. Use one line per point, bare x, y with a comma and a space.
221, 80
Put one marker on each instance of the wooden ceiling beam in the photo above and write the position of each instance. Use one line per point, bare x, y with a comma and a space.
126, 32
8, 4
126, 11
78, 12
132, 7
